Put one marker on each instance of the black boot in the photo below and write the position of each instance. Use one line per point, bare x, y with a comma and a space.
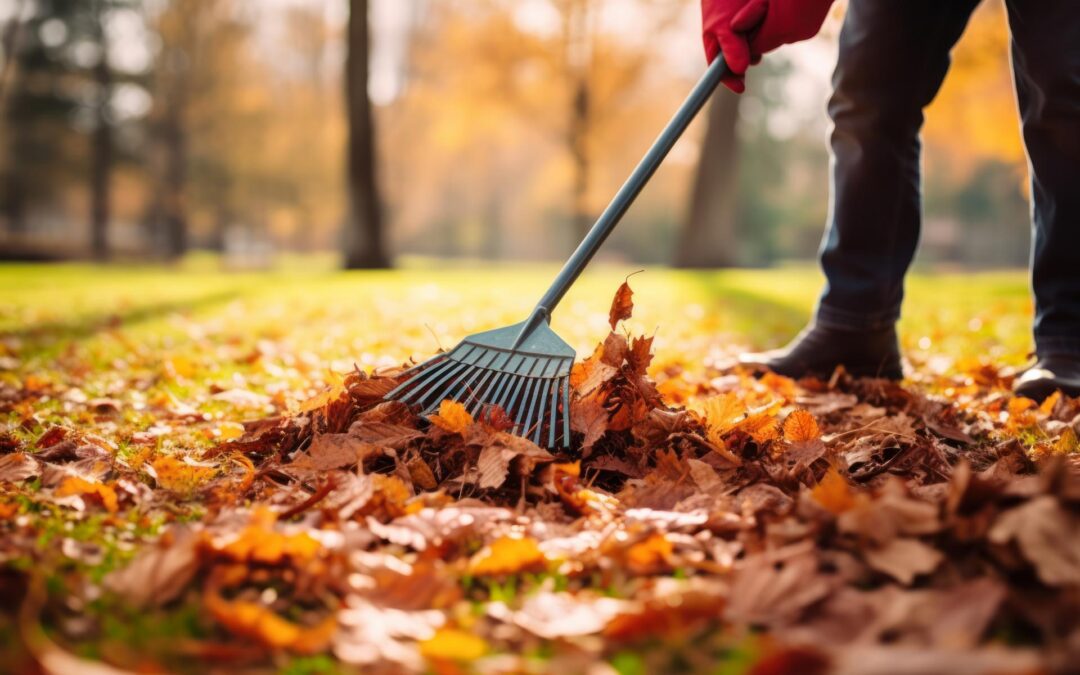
818, 350
1049, 374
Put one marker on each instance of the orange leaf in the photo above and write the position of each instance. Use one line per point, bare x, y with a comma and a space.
800, 426
622, 306
260, 623
722, 414
834, 493
450, 644
74, 485
651, 555
178, 476
452, 417
507, 555
259, 542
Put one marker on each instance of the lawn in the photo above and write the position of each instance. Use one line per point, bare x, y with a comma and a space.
155, 369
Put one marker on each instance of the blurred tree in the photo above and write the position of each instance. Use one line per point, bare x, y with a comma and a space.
708, 237
364, 247
61, 114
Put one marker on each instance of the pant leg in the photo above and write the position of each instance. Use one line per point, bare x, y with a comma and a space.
893, 58
1046, 68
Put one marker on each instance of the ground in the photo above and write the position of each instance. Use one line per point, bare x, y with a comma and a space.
196, 469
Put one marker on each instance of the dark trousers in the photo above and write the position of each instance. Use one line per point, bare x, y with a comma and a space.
893, 58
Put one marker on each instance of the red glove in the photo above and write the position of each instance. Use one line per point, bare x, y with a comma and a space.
746, 29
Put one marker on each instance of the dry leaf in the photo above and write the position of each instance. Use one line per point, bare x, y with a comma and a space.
622, 306
103, 494
508, 555
452, 417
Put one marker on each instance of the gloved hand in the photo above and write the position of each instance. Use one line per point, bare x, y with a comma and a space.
746, 29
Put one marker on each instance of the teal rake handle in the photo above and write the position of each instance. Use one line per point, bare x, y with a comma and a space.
626, 195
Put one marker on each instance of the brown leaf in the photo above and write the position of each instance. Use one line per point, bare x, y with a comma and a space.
18, 466
161, 570
589, 417
381, 433
499, 450
903, 559
1047, 535
421, 474
622, 306
334, 451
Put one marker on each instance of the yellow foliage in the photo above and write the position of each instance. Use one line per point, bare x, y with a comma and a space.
74, 485
260, 623
179, 476
834, 493
452, 417
507, 555
451, 644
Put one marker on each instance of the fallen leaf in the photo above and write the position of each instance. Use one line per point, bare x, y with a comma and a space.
452, 417
451, 644
258, 622
622, 305
74, 485
18, 466
801, 427
903, 559
507, 555
833, 492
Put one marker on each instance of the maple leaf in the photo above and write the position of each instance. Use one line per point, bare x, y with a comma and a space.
622, 305
508, 555
452, 417
722, 414
801, 427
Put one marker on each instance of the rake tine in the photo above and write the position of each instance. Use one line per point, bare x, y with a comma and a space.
553, 422
566, 413
465, 384
513, 402
454, 391
542, 405
437, 388
502, 396
522, 418
488, 394
421, 372
435, 381
477, 392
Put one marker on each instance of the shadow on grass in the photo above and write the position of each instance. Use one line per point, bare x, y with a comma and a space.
763, 319
42, 335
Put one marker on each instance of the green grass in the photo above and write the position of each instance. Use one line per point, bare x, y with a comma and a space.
384, 317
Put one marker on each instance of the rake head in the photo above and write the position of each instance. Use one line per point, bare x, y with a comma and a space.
525, 374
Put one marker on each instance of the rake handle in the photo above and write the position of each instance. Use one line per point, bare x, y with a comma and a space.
626, 195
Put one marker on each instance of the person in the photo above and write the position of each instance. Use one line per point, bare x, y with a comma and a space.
893, 57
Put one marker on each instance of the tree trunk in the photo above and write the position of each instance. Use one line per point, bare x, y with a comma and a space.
363, 236
709, 236
579, 152
102, 154
175, 221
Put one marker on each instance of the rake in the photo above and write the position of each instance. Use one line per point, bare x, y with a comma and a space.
525, 368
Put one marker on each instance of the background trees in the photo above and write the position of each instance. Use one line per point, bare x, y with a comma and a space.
469, 128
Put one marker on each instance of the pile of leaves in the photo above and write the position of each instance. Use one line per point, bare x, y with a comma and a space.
734, 518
